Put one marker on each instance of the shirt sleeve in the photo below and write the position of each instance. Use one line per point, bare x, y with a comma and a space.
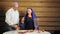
8, 18
18, 18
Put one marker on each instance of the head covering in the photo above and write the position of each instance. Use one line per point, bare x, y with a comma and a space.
33, 17
15, 3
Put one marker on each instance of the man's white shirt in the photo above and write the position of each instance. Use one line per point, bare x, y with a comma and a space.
12, 17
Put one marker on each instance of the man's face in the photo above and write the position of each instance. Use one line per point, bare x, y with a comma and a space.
15, 7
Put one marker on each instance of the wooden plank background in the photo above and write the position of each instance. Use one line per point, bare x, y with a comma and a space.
47, 11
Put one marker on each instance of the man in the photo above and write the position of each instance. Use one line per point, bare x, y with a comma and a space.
12, 17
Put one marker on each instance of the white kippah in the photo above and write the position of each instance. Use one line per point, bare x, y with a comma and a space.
15, 3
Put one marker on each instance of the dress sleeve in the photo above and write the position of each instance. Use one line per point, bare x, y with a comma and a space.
36, 24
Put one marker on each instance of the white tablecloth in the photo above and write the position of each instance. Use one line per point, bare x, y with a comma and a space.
34, 32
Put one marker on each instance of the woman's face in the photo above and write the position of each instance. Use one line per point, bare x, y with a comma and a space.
22, 20
29, 11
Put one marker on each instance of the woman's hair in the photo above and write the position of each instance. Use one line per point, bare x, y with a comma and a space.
30, 8
33, 14
26, 15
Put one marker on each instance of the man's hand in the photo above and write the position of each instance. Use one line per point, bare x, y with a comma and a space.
16, 26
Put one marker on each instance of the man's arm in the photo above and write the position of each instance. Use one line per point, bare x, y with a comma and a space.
8, 17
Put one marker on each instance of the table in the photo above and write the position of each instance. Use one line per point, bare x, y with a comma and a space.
26, 32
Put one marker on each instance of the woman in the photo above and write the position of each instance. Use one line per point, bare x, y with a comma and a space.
21, 24
30, 20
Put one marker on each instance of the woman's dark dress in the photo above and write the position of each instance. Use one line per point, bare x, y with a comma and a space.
29, 23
